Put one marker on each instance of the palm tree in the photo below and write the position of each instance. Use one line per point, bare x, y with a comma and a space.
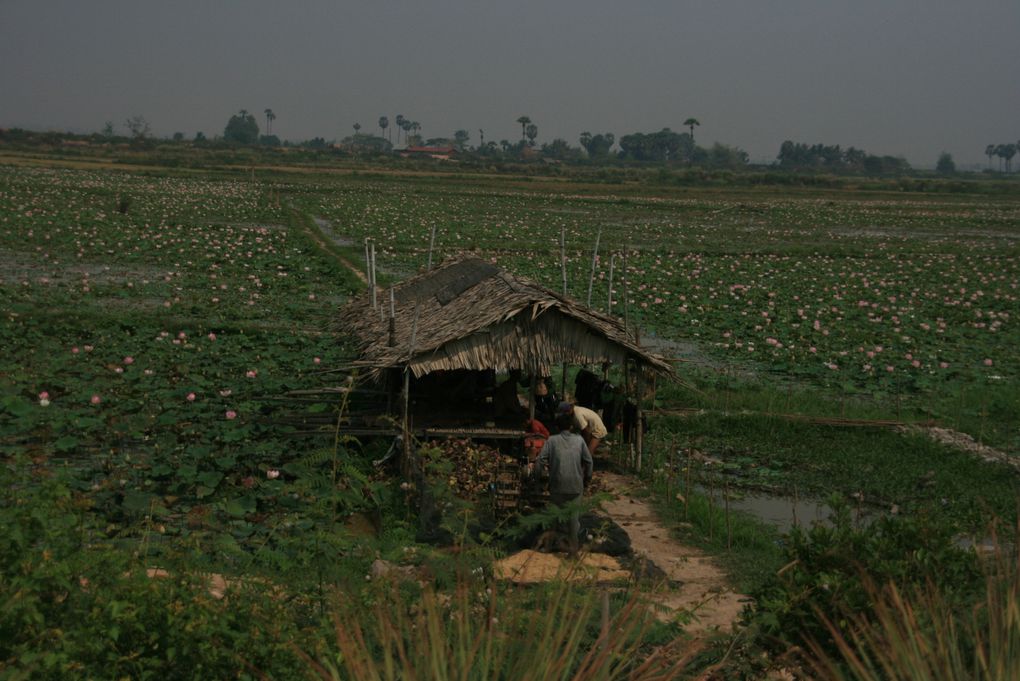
357, 127
989, 152
1000, 151
1008, 152
481, 134
524, 121
415, 127
383, 124
270, 117
690, 123
400, 125
532, 133
406, 126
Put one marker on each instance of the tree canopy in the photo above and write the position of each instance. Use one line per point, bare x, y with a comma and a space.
242, 128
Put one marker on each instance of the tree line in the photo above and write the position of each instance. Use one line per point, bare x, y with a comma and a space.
1005, 152
833, 158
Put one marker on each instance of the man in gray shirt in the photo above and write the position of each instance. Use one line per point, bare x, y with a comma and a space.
570, 469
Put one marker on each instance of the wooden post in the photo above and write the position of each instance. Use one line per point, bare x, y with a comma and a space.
609, 304
371, 250
531, 397
711, 508
729, 533
563, 271
405, 422
393, 321
594, 259
368, 263
640, 430
563, 257
626, 292
406, 410
687, 486
795, 524
432, 243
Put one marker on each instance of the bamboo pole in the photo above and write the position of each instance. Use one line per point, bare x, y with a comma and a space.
795, 499
609, 304
640, 429
563, 272
729, 532
531, 398
371, 279
432, 243
711, 508
594, 260
406, 408
626, 291
687, 486
563, 257
368, 263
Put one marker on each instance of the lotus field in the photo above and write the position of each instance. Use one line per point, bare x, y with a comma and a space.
140, 346
152, 322
874, 295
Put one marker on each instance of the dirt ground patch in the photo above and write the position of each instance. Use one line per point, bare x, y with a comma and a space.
953, 438
533, 567
699, 586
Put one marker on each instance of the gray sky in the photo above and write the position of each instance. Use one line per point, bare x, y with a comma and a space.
901, 77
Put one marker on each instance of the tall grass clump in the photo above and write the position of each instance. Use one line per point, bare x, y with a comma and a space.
558, 632
921, 634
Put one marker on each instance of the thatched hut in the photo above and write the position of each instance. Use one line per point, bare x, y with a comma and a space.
467, 318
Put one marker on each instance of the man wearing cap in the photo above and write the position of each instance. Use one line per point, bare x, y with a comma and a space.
586, 422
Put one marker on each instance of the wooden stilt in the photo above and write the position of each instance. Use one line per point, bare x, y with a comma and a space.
640, 428
531, 397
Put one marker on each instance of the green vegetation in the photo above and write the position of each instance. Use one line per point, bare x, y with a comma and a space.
153, 318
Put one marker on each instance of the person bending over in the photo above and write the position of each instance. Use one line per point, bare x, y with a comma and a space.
588, 423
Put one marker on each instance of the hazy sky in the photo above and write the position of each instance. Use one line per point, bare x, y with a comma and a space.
901, 77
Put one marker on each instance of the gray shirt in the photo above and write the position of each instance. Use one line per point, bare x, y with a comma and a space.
569, 462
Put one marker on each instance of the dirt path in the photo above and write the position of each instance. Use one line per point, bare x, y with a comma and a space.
330, 247
701, 586
965, 442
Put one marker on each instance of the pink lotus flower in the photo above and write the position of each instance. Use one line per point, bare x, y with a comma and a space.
191, 397
943, 365
212, 336
95, 399
317, 360
75, 350
272, 474
44, 395
988, 362
129, 360
251, 373
231, 414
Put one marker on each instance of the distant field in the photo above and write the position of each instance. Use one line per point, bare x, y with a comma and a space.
871, 292
858, 293
151, 321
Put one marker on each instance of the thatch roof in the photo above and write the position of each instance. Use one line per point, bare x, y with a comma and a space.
469, 314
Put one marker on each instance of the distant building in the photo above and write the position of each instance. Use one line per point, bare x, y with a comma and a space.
444, 153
